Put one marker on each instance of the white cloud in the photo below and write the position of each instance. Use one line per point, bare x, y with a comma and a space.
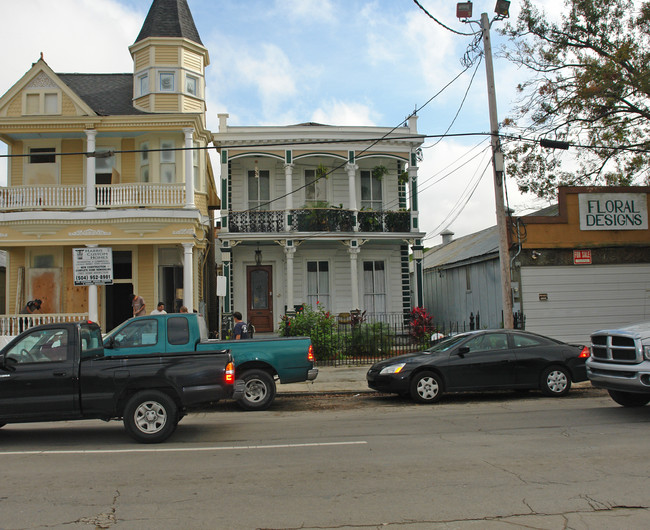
342, 113
321, 10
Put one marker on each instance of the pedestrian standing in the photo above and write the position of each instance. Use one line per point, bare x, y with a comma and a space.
139, 307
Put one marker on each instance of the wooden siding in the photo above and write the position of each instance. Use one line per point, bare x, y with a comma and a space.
192, 105
145, 276
68, 108
16, 166
128, 169
166, 102
143, 103
141, 59
192, 61
15, 106
15, 262
584, 298
447, 298
72, 167
166, 55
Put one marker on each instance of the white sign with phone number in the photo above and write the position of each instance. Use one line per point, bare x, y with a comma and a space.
92, 266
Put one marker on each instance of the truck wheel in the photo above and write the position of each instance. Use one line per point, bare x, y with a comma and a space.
556, 381
150, 416
259, 390
629, 399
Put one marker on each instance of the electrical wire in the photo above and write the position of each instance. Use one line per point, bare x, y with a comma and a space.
440, 23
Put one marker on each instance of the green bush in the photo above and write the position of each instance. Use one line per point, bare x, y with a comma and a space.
318, 325
369, 339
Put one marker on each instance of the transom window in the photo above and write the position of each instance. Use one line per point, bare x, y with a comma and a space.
371, 191
318, 284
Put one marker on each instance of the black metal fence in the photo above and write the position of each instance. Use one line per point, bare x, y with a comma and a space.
350, 339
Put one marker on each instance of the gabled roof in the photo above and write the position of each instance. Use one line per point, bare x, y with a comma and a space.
169, 18
478, 246
106, 94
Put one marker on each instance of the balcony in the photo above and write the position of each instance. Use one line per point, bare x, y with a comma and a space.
319, 220
18, 198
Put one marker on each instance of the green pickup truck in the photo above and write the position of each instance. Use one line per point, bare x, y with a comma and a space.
258, 362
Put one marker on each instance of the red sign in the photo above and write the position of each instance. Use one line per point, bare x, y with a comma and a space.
582, 257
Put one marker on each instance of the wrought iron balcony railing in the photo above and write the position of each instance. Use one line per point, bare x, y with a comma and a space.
318, 220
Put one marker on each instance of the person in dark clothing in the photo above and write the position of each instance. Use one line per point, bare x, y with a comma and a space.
240, 330
31, 307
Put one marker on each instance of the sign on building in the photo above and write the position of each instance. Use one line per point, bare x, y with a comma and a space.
613, 211
582, 257
92, 266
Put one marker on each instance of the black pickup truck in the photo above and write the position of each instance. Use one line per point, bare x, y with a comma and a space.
59, 372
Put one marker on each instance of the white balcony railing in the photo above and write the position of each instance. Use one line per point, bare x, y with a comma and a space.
106, 196
14, 324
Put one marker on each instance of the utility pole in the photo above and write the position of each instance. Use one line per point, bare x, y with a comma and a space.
498, 169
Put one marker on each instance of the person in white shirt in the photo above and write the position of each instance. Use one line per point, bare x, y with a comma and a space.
160, 309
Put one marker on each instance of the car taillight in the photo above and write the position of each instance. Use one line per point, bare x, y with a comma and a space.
230, 373
310, 353
585, 353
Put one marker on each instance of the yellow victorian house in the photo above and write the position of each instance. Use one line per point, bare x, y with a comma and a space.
112, 161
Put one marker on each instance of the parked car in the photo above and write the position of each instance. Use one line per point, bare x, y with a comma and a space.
483, 360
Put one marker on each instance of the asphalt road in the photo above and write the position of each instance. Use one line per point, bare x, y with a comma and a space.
500, 460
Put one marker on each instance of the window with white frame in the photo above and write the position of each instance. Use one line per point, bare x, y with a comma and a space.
144, 162
167, 162
374, 286
195, 165
167, 81
191, 85
371, 191
315, 188
259, 189
143, 84
318, 284
42, 103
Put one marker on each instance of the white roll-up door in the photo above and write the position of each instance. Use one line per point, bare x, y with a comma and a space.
571, 302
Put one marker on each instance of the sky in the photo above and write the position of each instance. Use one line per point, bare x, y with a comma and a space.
336, 62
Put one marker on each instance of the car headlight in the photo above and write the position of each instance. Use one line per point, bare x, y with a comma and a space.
392, 369
646, 352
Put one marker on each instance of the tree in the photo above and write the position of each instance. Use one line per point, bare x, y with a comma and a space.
590, 86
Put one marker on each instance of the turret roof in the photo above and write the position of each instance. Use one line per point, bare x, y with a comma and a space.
169, 18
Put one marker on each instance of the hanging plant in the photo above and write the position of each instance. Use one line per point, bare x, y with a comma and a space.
321, 171
378, 172
403, 177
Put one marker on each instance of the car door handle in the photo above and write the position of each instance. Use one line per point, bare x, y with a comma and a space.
60, 374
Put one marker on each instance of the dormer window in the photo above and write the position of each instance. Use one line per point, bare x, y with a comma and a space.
167, 81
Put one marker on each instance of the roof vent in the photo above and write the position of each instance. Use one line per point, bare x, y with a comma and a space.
447, 236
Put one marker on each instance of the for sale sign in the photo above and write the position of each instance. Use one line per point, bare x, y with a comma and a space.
93, 266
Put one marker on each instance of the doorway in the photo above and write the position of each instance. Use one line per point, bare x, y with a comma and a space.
260, 297
117, 296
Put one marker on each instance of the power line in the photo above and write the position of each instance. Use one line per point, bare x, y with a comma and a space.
440, 23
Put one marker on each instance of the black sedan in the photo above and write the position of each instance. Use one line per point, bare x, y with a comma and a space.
483, 360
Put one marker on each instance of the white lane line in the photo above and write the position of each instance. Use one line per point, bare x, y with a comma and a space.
177, 449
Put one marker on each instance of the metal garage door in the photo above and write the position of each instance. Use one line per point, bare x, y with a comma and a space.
569, 303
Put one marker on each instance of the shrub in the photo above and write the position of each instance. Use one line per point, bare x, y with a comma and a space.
316, 324
421, 325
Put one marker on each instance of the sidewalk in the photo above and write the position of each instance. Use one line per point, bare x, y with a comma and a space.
332, 379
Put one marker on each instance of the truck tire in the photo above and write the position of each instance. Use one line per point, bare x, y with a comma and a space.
629, 399
150, 416
259, 391
556, 381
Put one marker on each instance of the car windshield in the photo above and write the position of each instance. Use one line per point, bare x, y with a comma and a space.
446, 344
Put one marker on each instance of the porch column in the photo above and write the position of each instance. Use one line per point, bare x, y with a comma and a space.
93, 313
288, 186
188, 276
225, 205
189, 169
354, 272
90, 169
352, 185
413, 189
289, 250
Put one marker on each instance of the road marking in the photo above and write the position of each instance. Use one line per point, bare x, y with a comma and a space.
177, 449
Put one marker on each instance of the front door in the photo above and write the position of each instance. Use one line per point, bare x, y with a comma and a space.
260, 298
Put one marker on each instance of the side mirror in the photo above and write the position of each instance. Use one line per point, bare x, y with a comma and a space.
9, 364
462, 351
110, 343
